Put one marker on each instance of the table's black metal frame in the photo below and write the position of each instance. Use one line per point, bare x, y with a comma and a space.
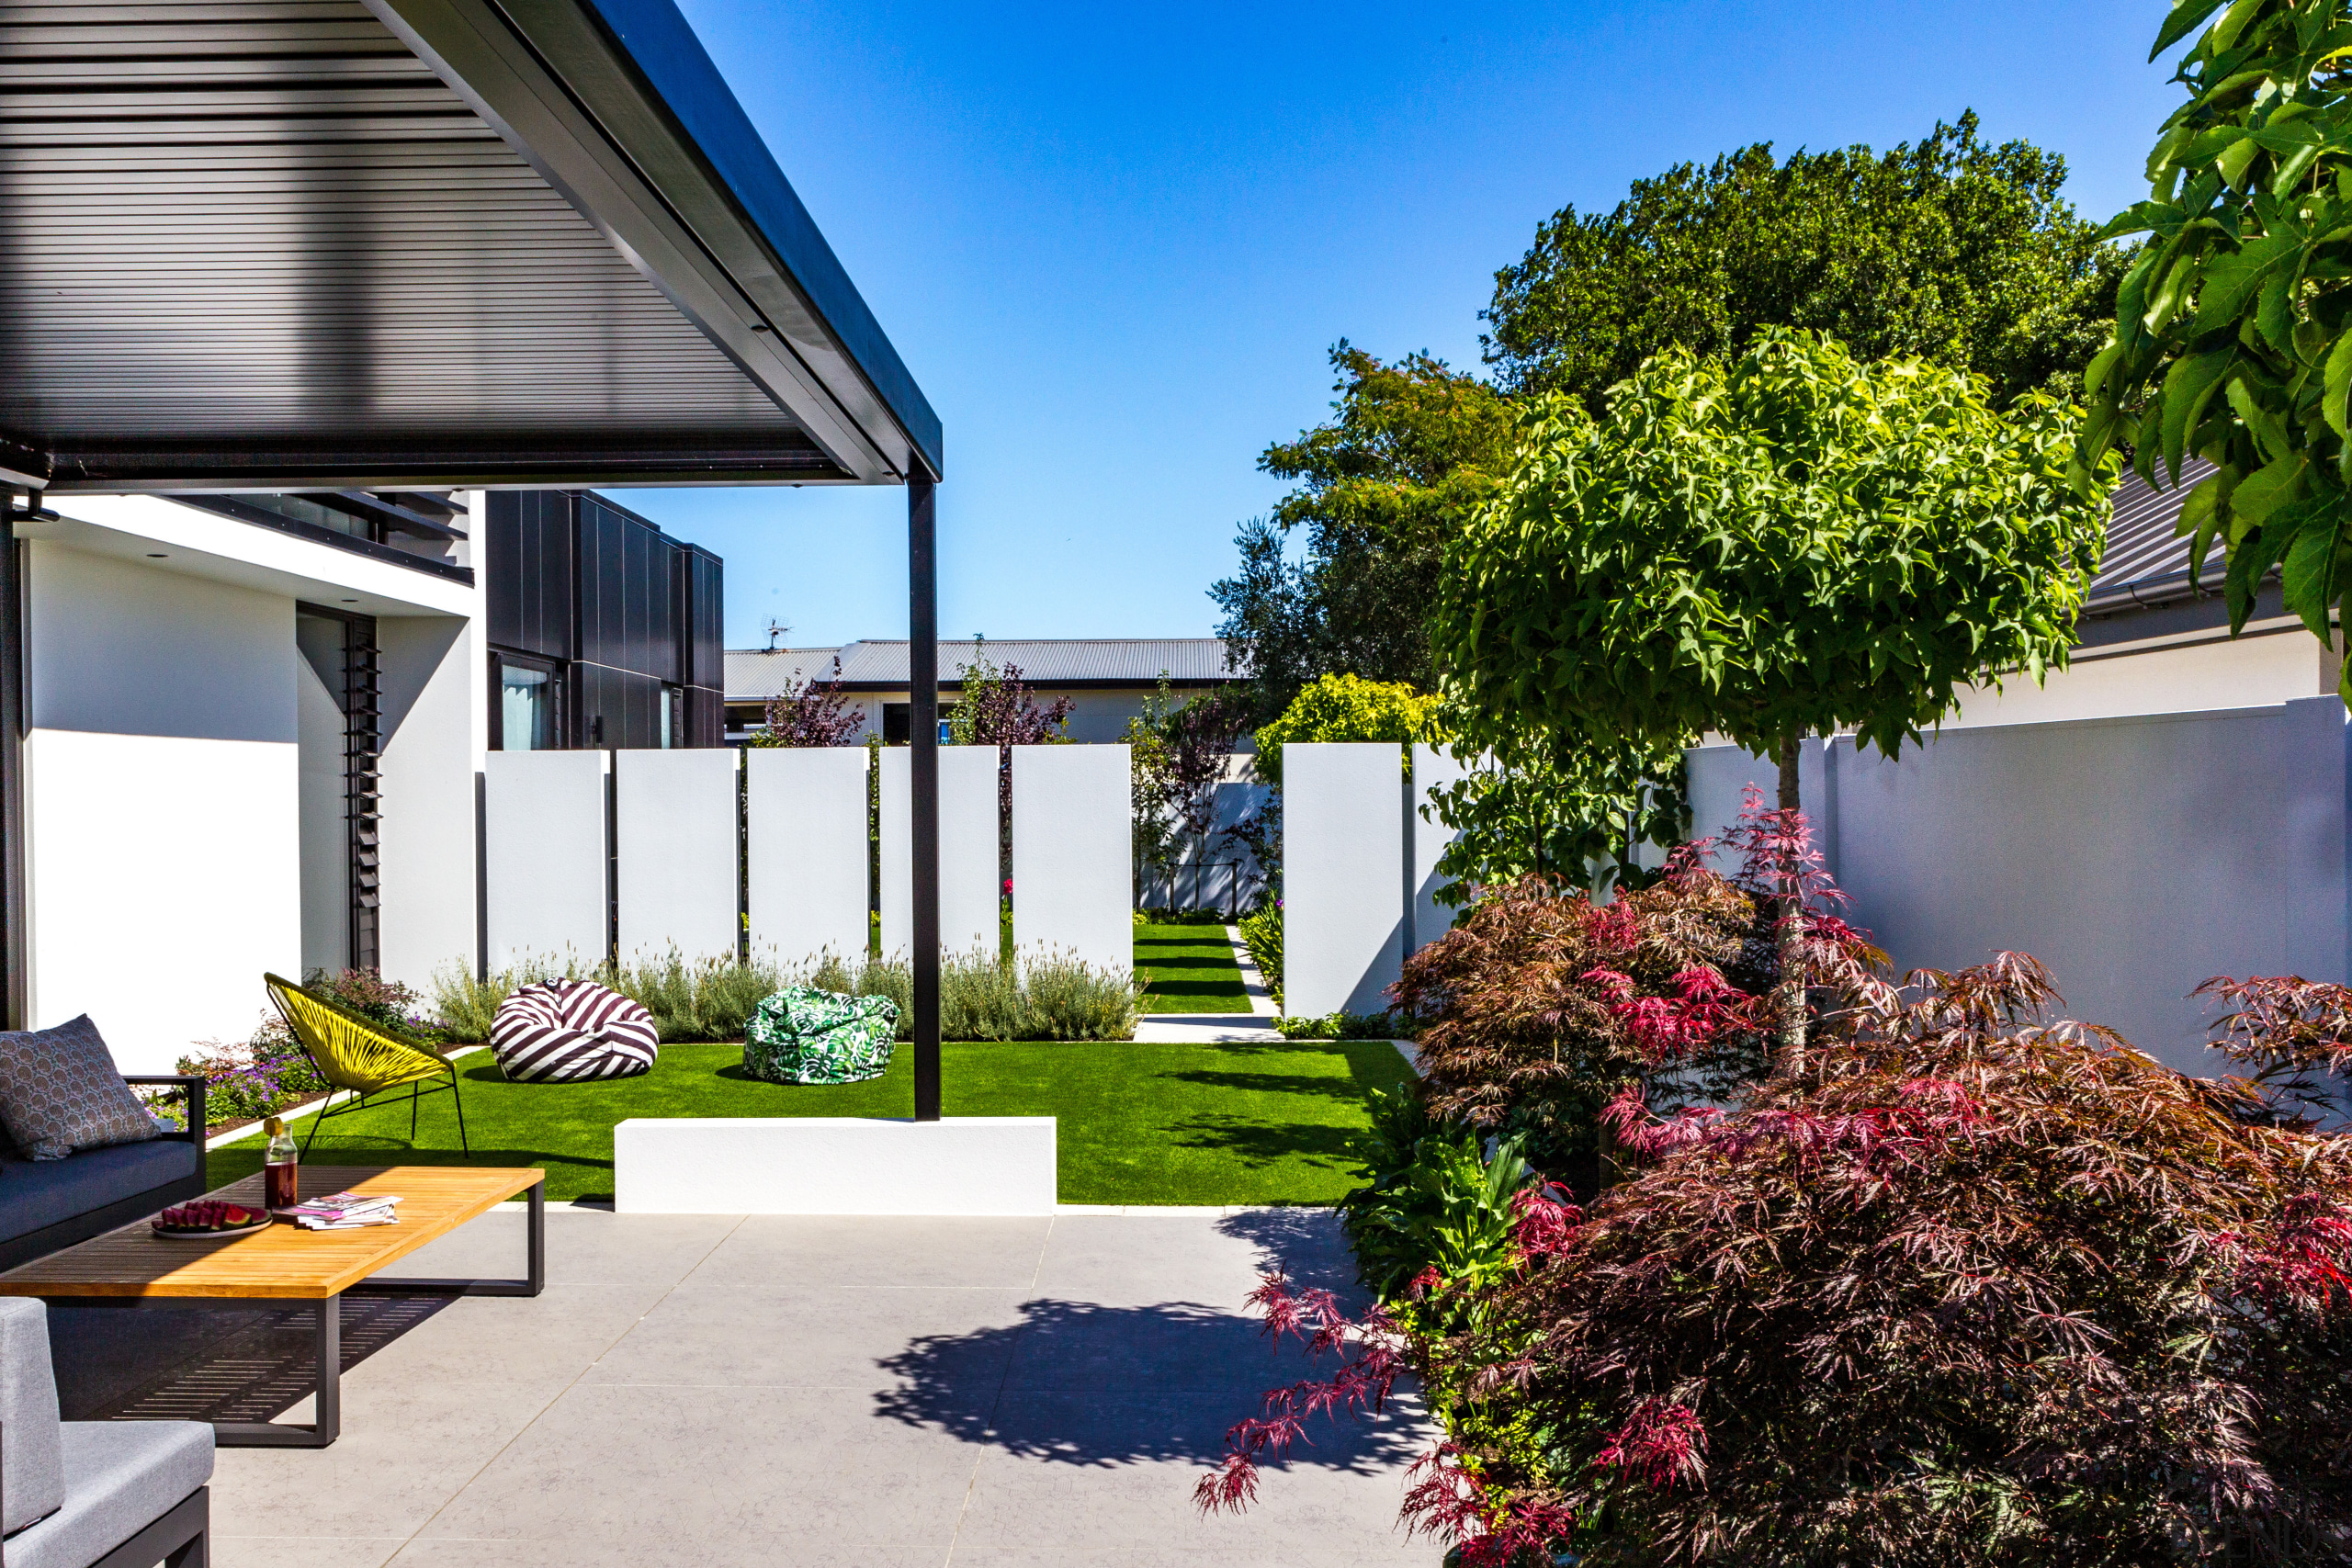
327, 1423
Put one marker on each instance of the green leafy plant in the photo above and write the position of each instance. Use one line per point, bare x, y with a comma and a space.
1433, 1199
1261, 933
1342, 708
2233, 329
1346, 1026
1536, 804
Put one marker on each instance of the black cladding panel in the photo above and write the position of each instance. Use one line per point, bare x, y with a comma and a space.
527, 555
706, 619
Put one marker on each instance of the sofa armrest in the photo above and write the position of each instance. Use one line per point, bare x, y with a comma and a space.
191, 1090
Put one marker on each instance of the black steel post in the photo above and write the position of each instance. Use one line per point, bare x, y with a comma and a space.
922, 700
15, 946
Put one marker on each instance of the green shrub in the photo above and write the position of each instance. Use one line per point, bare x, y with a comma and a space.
1341, 708
1346, 1026
1047, 996
1434, 1201
1261, 933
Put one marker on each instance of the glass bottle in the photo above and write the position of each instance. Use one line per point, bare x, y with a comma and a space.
280, 1164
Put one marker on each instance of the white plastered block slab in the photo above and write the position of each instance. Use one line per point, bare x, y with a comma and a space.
967, 849
673, 837
834, 1165
1343, 877
544, 833
1431, 769
1073, 850
805, 850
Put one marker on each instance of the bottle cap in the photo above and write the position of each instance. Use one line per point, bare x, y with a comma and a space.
274, 1126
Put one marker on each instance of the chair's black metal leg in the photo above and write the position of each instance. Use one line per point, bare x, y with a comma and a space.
412, 1115
460, 1099
534, 1278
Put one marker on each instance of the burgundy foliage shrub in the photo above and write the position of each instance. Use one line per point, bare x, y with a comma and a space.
1970, 1289
812, 713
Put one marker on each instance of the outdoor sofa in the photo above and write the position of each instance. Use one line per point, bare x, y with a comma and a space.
91, 1494
47, 1204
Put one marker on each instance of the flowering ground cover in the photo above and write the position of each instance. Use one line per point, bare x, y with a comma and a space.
1188, 969
1140, 1123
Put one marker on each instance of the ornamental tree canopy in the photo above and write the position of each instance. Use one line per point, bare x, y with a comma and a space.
1789, 543
2233, 329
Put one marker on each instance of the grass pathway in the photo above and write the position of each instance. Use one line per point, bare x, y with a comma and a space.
1140, 1123
1189, 968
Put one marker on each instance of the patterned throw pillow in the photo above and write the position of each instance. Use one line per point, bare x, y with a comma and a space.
60, 1092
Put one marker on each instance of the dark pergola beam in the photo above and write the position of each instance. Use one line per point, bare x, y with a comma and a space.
923, 697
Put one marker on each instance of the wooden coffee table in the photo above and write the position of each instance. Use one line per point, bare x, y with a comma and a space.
285, 1262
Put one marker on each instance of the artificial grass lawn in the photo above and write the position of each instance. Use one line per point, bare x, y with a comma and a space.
1188, 969
1140, 1123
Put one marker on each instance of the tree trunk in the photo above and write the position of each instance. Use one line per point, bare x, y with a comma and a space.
1790, 912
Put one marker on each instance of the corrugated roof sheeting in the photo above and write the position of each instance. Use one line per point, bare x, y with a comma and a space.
2146, 558
268, 221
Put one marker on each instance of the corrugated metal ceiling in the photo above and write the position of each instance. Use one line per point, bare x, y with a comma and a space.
266, 233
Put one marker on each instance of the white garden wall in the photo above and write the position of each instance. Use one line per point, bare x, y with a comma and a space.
968, 879
805, 851
1073, 810
1345, 892
544, 864
2136, 856
675, 865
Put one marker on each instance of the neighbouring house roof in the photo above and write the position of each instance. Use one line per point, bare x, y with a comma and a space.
321, 245
2147, 560
755, 674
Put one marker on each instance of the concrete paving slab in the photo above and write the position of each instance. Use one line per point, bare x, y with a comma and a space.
784, 1390
1204, 1029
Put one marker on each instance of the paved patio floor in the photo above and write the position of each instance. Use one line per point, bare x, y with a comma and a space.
774, 1391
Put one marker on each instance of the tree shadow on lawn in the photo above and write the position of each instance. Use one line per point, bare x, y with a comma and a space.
1089, 1383
1260, 1143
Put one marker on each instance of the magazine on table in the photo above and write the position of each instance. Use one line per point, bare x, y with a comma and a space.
344, 1211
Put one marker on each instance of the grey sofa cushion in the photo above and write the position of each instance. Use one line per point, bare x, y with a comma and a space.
37, 1194
59, 1091
121, 1477
32, 1463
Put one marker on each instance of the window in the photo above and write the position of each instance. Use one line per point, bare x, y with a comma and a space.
526, 707
674, 716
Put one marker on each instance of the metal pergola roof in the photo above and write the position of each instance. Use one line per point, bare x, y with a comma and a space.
277, 244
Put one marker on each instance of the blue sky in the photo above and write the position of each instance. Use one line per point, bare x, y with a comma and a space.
1113, 245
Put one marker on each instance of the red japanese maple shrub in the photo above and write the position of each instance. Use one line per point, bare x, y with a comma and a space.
1972, 1289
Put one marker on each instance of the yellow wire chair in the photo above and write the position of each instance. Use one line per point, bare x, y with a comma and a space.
352, 1052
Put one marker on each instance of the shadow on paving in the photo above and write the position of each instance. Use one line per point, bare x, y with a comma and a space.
1084, 1383
211, 1363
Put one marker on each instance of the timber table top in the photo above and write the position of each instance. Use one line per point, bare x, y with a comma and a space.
284, 1262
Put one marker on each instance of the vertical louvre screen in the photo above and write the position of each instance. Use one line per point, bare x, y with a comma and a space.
363, 745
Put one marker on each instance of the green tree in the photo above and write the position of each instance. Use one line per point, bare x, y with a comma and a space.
2234, 329
1785, 544
1572, 812
1414, 449
1950, 250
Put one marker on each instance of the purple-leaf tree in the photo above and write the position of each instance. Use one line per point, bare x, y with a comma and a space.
812, 713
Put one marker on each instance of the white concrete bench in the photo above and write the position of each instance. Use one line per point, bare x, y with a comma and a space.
833, 1165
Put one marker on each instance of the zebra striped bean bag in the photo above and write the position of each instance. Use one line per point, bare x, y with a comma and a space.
572, 1031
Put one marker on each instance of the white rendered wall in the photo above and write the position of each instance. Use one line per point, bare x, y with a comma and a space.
675, 841
805, 854
2136, 856
1073, 838
1343, 878
2200, 677
544, 841
163, 791
967, 850
432, 699
1432, 919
